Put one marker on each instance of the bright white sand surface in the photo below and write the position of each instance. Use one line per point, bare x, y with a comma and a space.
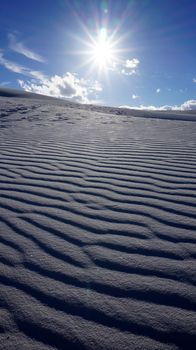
98, 227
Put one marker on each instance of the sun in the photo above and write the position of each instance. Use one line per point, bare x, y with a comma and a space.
102, 54
102, 50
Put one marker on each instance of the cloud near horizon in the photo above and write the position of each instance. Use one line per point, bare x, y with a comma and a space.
186, 106
20, 48
66, 86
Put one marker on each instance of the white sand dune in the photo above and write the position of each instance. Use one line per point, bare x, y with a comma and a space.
98, 226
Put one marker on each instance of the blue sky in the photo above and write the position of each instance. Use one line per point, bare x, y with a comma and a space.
138, 53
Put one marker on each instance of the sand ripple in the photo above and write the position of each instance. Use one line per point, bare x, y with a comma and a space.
98, 229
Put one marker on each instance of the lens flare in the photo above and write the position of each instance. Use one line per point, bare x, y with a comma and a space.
103, 34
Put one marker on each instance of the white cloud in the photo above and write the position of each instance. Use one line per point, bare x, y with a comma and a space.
19, 69
194, 80
19, 47
129, 67
189, 105
158, 91
186, 106
66, 86
141, 107
134, 97
10, 65
126, 72
132, 63
125, 67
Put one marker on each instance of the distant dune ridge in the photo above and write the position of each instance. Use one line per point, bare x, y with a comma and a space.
97, 226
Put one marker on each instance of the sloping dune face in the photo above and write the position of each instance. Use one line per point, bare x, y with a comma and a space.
98, 229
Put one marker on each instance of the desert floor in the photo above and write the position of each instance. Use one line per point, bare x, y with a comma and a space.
98, 227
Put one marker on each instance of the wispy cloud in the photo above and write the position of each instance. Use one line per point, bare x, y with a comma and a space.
134, 97
194, 80
4, 83
20, 48
158, 91
186, 106
19, 69
67, 86
129, 67
36, 74
10, 65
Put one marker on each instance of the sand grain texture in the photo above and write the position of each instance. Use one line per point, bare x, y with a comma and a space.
98, 228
